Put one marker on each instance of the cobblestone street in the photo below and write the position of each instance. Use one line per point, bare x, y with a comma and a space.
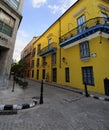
62, 110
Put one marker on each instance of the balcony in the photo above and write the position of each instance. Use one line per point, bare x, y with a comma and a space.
48, 49
88, 30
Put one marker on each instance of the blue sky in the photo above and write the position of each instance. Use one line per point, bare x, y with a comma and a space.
38, 15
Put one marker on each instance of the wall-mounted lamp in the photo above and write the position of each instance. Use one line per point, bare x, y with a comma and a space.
93, 55
64, 60
100, 34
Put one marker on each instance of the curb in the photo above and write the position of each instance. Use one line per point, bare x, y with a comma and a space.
99, 98
18, 106
93, 96
83, 93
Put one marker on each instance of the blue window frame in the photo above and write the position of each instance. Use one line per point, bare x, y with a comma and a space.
84, 49
87, 74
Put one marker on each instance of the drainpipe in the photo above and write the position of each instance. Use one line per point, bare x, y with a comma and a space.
59, 42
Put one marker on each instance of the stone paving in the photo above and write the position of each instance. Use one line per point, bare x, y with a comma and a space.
62, 110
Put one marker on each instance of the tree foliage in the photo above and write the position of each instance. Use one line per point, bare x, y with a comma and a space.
18, 68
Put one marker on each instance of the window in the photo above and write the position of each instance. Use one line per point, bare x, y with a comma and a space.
81, 24
6, 23
14, 3
28, 73
32, 73
37, 62
87, 74
84, 49
54, 58
105, 16
54, 75
49, 43
44, 61
37, 75
67, 75
6, 30
33, 52
38, 48
7, 19
32, 65
43, 74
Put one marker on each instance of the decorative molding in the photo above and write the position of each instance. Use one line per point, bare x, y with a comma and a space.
79, 11
103, 7
49, 35
3, 38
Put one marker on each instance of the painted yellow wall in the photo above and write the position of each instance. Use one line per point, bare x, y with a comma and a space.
100, 63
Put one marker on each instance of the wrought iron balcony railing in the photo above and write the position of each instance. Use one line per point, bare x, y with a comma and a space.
85, 26
48, 49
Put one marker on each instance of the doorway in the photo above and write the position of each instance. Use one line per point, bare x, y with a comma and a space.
54, 72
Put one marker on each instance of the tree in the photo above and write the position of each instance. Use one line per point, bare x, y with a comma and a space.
18, 69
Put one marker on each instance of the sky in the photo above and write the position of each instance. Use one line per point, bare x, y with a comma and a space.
38, 16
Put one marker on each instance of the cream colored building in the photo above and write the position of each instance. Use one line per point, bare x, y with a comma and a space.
10, 18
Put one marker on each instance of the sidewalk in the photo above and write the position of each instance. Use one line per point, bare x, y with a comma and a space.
17, 100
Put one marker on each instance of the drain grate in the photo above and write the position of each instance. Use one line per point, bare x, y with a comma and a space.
8, 112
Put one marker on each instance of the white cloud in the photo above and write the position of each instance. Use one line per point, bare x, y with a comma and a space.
23, 33
54, 8
38, 3
21, 42
62, 6
17, 50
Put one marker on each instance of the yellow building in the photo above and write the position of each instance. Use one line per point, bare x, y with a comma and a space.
75, 49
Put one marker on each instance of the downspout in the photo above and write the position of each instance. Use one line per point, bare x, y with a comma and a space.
59, 43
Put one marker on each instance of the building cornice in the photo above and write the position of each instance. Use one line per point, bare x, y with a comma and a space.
11, 9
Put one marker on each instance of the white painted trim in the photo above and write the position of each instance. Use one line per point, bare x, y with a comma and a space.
79, 11
103, 7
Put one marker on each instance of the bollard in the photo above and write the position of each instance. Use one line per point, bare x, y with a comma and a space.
41, 93
13, 83
86, 92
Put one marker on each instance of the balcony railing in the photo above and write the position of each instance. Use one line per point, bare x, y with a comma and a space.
85, 27
48, 49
